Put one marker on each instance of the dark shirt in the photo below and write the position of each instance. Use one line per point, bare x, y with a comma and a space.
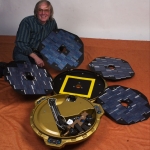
30, 34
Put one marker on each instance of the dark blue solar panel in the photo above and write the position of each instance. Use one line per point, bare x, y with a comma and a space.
28, 79
112, 68
62, 60
138, 108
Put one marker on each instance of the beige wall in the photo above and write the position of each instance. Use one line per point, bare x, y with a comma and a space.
106, 19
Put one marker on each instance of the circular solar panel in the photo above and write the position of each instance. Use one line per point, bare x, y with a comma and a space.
112, 68
62, 50
79, 82
28, 79
124, 105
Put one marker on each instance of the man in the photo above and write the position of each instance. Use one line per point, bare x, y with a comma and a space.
32, 30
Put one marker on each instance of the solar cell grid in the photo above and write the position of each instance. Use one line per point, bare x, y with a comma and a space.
112, 68
73, 55
137, 109
28, 79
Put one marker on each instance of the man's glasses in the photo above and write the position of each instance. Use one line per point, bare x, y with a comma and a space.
43, 10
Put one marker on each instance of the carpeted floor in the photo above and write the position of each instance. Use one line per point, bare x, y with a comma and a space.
15, 109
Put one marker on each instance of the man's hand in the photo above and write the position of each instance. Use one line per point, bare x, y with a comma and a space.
37, 60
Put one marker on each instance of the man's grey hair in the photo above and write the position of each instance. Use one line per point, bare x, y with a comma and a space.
48, 4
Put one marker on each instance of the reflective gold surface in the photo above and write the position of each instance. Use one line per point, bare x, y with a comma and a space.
44, 124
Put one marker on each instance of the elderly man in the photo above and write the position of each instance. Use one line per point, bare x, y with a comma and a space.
32, 30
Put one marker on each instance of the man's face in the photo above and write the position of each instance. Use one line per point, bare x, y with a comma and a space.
43, 13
